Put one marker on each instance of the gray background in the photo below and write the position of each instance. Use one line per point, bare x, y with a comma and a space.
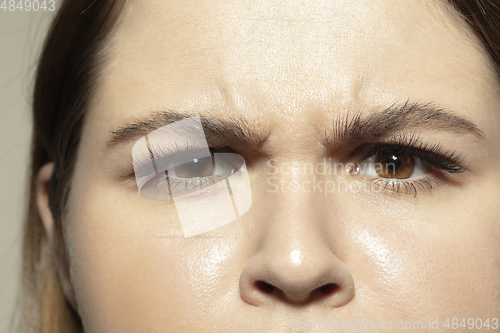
21, 37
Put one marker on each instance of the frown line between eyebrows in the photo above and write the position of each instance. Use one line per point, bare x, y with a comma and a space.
354, 129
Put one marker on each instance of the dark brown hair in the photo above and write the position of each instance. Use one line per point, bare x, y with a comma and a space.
68, 69
483, 16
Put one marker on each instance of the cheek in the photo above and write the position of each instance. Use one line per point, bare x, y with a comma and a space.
428, 260
132, 269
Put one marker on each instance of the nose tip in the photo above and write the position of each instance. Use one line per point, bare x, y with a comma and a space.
296, 280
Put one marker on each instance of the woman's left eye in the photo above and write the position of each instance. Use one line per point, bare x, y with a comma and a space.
393, 166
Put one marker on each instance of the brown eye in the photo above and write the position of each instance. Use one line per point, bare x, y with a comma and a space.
198, 167
394, 166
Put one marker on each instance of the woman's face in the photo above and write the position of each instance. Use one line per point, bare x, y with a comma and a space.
385, 244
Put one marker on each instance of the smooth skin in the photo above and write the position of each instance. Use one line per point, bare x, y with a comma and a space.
289, 68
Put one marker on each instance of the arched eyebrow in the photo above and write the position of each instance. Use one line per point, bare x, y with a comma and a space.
353, 129
218, 131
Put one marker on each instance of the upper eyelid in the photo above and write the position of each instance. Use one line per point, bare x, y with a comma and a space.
398, 148
451, 162
412, 140
163, 159
162, 154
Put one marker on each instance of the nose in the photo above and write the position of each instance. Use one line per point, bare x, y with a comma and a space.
317, 279
295, 264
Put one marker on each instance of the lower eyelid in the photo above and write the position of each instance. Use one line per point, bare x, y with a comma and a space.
408, 186
199, 183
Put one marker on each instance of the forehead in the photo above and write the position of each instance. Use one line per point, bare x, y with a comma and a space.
240, 55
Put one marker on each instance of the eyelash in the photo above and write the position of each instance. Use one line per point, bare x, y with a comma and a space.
412, 145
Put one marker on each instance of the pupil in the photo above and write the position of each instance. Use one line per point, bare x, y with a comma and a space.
393, 163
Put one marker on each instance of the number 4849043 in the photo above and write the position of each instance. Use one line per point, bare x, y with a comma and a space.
471, 323
28, 5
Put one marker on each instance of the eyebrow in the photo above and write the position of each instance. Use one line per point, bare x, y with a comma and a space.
347, 129
397, 117
218, 131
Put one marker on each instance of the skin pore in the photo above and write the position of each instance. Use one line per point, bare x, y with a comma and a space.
289, 70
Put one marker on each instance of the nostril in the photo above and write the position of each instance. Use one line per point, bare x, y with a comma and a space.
320, 292
264, 287
329, 288
275, 276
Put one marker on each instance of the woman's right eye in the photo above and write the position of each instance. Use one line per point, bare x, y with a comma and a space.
190, 176
196, 168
